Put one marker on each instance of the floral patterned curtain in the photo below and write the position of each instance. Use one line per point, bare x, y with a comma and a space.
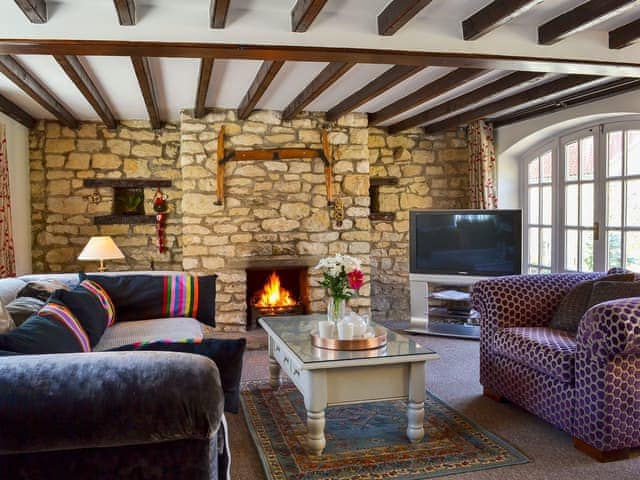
482, 166
7, 253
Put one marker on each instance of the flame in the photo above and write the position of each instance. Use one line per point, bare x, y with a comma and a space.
273, 295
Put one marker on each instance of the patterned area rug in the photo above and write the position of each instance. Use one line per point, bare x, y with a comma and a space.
367, 441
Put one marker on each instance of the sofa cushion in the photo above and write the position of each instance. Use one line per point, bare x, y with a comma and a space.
226, 353
87, 309
23, 307
42, 289
6, 322
9, 288
150, 331
572, 307
606, 291
54, 330
140, 297
544, 349
104, 299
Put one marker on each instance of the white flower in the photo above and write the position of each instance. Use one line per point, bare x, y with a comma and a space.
335, 264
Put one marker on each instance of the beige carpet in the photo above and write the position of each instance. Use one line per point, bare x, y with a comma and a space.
454, 378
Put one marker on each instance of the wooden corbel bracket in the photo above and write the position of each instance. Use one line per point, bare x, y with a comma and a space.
225, 156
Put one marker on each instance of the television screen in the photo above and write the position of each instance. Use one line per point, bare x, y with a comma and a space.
466, 242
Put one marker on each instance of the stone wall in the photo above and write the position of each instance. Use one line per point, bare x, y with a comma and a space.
62, 213
432, 172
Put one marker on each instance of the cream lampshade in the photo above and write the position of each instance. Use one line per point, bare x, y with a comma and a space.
100, 248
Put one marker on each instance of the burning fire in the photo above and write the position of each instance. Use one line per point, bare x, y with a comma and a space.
273, 295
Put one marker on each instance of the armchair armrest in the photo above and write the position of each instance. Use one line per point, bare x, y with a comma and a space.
67, 401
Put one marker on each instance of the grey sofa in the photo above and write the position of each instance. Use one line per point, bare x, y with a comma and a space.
108, 415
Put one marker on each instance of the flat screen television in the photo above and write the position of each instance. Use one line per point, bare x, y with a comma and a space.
483, 243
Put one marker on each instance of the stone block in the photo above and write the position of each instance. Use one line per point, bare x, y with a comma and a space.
279, 139
52, 129
394, 141
356, 184
146, 150
90, 146
247, 140
105, 161
60, 255
198, 204
54, 161
359, 136
192, 147
59, 187
295, 211
136, 168
59, 145
280, 225
318, 221
78, 161
343, 166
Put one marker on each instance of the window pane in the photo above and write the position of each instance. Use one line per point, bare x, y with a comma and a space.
586, 204
533, 245
571, 250
614, 249
571, 161
587, 251
614, 204
534, 171
632, 245
614, 154
546, 205
545, 247
633, 203
545, 159
571, 205
586, 158
534, 205
534, 269
633, 152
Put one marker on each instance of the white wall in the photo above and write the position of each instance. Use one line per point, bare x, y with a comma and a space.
18, 154
513, 141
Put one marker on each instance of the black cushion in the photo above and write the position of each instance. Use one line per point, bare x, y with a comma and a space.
87, 309
226, 353
605, 291
142, 297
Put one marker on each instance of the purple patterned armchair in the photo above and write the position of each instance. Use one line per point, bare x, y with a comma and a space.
588, 385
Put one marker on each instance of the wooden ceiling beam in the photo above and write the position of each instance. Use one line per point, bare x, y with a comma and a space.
397, 14
327, 77
580, 18
304, 13
35, 10
625, 35
264, 77
126, 10
143, 73
79, 76
492, 16
378, 86
429, 91
12, 110
520, 98
598, 92
204, 78
14, 71
467, 100
218, 10
291, 53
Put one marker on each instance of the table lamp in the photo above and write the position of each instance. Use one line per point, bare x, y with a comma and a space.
100, 248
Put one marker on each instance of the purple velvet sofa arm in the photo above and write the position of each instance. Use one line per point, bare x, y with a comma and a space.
75, 401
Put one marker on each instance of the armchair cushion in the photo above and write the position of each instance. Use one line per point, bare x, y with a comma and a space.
544, 349
606, 291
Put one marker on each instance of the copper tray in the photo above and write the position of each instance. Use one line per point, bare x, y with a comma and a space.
378, 340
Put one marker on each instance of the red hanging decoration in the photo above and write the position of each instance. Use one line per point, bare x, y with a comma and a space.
160, 207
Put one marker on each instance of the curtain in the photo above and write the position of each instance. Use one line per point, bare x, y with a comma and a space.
482, 166
7, 253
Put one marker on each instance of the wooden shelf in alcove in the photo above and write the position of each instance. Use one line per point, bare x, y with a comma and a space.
374, 191
124, 219
125, 183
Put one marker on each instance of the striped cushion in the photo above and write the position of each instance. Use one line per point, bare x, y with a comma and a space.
63, 315
180, 296
103, 297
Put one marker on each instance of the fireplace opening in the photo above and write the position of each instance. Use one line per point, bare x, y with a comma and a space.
275, 292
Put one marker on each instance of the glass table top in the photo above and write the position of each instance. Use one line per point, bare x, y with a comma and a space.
295, 332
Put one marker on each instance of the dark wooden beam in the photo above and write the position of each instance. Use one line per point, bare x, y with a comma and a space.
324, 80
304, 13
264, 77
126, 10
206, 67
588, 95
15, 72
530, 95
35, 10
218, 10
79, 76
625, 35
376, 87
33, 46
493, 15
143, 73
397, 14
465, 101
12, 110
580, 18
424, 94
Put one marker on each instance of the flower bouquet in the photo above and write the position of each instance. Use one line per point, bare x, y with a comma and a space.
342, 278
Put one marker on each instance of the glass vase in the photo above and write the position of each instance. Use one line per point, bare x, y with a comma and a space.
336, 308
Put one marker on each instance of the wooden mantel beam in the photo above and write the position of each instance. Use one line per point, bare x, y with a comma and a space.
264, 77
143, 73
126, 10
12, 110
79, 76
304, 13
14, 71
35, 10
397, 14
493, 15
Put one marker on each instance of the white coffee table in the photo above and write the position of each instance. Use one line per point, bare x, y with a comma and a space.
337, 377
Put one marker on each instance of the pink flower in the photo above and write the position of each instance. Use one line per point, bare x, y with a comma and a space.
356, 279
